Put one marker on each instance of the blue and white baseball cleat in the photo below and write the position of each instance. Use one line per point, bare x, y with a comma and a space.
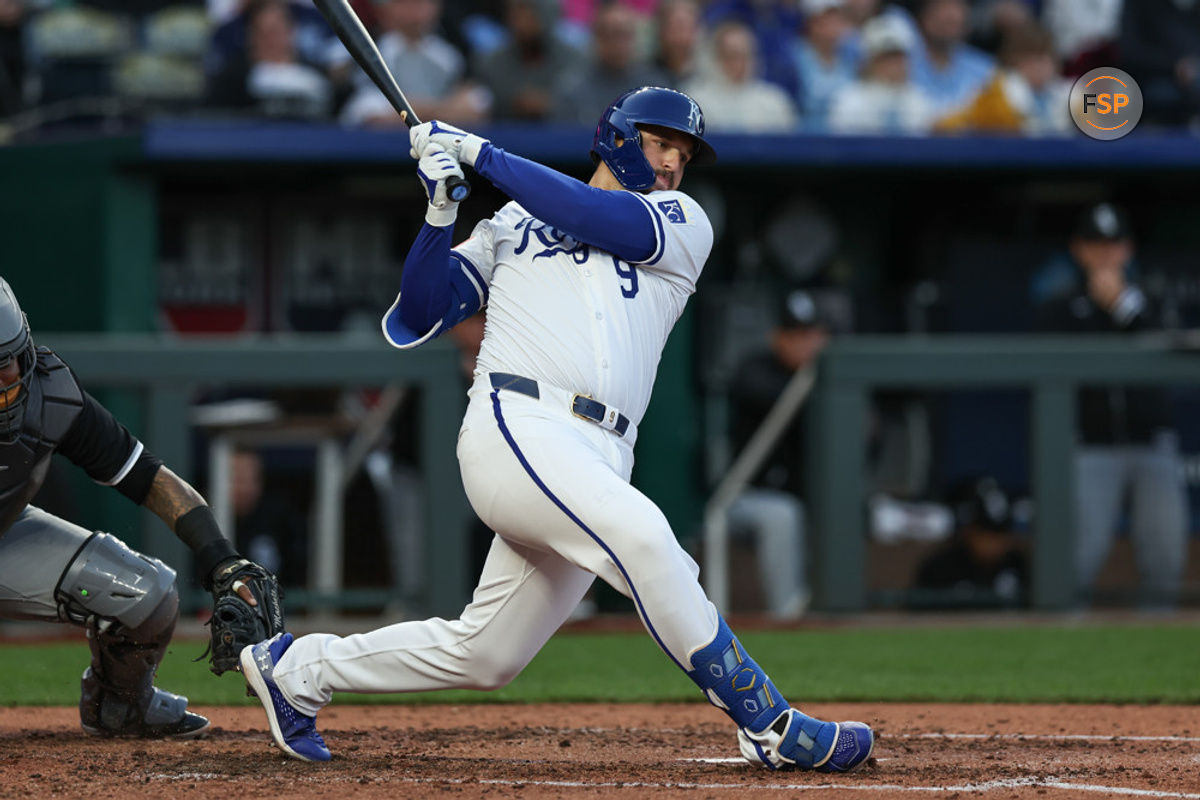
294, 732
853, 746
797, 741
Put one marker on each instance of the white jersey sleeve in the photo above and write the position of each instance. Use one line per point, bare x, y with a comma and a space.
683, 236
476, 256
471, 266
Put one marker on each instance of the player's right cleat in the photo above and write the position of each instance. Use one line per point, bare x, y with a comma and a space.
294, 732
797, 741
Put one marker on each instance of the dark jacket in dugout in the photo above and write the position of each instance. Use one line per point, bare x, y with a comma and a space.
1109, 415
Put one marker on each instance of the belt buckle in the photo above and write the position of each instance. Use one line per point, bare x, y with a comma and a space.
575, 397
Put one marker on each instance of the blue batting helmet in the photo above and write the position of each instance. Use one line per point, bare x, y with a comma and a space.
649, 105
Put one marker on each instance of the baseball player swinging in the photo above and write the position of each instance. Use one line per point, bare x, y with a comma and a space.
54, 570
583, 283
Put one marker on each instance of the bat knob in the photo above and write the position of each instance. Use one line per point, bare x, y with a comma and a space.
457, 189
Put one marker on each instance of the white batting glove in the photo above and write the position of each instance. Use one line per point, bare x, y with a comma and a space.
462, 146
434, 168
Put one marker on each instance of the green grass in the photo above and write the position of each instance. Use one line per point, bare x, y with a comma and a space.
1011, 664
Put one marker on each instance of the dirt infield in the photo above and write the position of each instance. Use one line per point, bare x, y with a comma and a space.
626, 751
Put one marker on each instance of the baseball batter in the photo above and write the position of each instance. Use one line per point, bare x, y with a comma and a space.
54, 570
583, 283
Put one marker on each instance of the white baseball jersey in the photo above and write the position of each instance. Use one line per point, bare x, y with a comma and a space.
577, 317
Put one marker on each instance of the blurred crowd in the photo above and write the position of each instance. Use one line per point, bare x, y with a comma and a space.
821, 66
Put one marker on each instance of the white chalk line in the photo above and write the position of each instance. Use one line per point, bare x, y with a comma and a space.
856, 787
1049, 737
1013, 783
1046, 737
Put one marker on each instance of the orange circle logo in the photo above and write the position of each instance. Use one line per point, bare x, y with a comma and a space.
1106, 103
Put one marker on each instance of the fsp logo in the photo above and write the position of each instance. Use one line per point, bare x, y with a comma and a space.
1106, 103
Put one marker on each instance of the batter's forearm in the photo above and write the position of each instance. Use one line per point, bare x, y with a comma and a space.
170, 497
425, 284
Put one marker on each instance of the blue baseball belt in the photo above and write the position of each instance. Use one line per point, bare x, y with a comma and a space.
582, 406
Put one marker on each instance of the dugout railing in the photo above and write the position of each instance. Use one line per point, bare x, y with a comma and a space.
1051, 368
168, 372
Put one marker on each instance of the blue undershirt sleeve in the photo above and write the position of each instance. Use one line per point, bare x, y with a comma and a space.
425, 293
614, 221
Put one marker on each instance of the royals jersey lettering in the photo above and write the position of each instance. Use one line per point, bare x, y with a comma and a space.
607, 340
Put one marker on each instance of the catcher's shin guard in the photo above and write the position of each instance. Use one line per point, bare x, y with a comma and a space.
128, 631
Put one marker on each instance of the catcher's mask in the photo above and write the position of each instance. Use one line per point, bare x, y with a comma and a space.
16, 346
649, 105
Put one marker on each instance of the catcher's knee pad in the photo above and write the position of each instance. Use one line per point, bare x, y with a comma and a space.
732, 681
109, 581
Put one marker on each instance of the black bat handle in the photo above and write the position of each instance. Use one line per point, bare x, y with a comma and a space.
457, 189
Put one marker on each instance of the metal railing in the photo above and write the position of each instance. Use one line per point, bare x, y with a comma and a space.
1052, 368
741, 471
169, 371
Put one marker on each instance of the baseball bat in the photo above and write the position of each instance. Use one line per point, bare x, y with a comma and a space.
358, 42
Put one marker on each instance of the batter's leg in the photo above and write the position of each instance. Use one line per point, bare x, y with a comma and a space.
576, 499
523, 596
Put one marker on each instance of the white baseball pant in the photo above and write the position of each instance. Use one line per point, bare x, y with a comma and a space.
556, 490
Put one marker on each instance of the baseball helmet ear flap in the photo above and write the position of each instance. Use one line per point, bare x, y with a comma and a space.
618, 141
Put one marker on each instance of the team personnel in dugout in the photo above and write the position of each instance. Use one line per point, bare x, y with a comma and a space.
56, 571
583, 283
1128, 456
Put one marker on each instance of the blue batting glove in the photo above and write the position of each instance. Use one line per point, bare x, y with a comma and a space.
434, 168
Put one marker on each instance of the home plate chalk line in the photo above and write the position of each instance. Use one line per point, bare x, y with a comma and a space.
1111, 791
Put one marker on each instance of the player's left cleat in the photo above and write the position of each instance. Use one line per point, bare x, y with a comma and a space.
294, 732
797, 741
854, 745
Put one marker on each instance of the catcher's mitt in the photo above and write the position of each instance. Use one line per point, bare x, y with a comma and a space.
235, 623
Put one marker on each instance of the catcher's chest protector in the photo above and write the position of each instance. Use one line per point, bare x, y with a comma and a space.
55, 400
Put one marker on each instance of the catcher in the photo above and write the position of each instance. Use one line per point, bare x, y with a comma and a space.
51, 569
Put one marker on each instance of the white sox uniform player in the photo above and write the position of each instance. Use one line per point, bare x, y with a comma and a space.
582, 283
